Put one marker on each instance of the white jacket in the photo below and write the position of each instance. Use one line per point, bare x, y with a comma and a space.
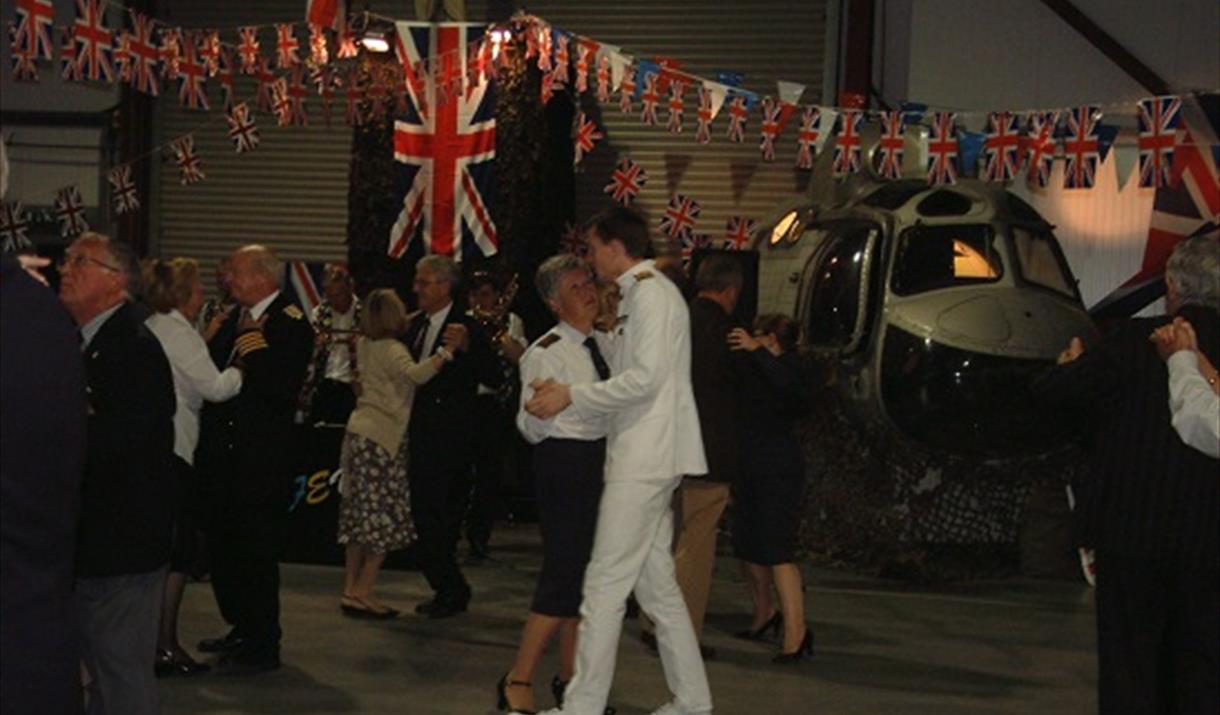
654, 429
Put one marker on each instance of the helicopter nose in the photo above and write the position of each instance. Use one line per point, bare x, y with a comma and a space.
980, 319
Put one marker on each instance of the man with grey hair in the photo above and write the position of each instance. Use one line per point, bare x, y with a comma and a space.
245, 449
125, 525
1151, 505
440, 426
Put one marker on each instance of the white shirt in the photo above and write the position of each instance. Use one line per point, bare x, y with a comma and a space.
1193, 404
339, 355
260, 307
195, 377
560, 355
435, 321
654, 428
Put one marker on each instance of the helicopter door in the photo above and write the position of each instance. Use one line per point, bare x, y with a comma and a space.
842, 295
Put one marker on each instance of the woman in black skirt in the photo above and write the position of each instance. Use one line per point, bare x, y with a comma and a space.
772, 482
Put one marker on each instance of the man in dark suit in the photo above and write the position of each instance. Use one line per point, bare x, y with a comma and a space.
1151, 505
244, 452
43, 424
440, 428
126, 519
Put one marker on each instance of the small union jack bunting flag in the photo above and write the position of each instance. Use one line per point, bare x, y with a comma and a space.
14, 227
122, 56
209, 51
738, 233
847, 144
94, 40
676, 90
319, 54
1081, 148
626, 97
892, 145
286, 47
583, 55
70, 211
123, 190
265, 79
544, 49
25, 69
807, 137
297, 92
691, 242
247, 49
586, 136
770, 128
1001, 148
626, 181
242, 129
571, 241
33, 28
942, 150
69, 68
189, 164
703, 134
169, 52
679, 217
281, 103
603, 79
650, 97
192, 93
1041, 147
737, 119
1159, 118
561, 57
225, 78
143, 54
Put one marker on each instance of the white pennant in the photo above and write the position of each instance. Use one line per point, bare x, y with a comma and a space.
789, 92
1124, 161
825, 127
718, 92
618, 68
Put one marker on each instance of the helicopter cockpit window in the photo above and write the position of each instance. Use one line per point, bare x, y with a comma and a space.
1040, 261
932, 257
834, 316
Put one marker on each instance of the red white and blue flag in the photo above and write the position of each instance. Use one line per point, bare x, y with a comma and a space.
738, 233
650, 97
1041, 147
326, 13
14, 227
70, 211
626, 97
193, 92
123, 189
892, 145
691, 242
1159, 118
571, 241
143, 55
445, 153
679, 218
676, 90
770, 128
1001, 148
286, 46
25, 69
603, 78
847, 144
248, 49
33, 28
242, 129
69, 68
190, 166
94, 40
586, 136
626, 181
304, 279
738, 112
703, 134
1081, 148
169, 51
942, 150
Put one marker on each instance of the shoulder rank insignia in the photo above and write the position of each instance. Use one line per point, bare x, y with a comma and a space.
293, 312
643, 275
548, 340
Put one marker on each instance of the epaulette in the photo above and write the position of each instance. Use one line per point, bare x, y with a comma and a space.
548, 340
643, 275
293, 312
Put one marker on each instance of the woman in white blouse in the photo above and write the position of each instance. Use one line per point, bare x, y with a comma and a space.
173, 289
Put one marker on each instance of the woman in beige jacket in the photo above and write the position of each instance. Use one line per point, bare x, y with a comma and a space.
375, 514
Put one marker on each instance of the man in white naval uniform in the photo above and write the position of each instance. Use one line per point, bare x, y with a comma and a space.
654, 440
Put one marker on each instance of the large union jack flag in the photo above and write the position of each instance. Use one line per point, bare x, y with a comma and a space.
1001, 147
1159, 118
33, 28
942, 150
1041, 147
445, 152
1081, 148
626, 181
679, 218
847, 144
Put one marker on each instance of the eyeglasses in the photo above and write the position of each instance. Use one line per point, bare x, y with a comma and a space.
79, 260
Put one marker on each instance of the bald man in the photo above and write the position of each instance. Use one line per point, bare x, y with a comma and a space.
244, 451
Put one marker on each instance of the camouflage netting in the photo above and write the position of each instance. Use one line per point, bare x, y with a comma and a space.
879, 504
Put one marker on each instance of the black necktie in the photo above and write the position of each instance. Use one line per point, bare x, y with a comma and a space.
418, 346
599, 362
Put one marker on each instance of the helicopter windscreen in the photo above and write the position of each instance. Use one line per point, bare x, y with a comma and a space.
932, 257
834, 319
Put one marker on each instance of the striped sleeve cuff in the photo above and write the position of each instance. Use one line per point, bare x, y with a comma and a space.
250, 341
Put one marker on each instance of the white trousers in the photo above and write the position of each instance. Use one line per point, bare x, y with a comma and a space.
632, 550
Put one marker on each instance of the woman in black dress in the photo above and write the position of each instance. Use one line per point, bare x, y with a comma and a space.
772, 483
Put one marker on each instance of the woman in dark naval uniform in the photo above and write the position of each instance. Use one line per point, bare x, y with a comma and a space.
772, 482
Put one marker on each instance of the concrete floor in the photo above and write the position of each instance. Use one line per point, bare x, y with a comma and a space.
1013, 646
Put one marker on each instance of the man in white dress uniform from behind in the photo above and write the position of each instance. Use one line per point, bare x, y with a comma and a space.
654, 440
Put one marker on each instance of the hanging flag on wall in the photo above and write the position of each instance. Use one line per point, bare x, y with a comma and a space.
1158, 124
626, 181
445, 154
892, 145
586, 136
70, 211
1001, 147
942, 150
847, 144
123, 190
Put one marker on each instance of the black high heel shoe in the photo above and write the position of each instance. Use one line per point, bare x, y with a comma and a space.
773, 624
502, 695
559, 686
802, 650
177, 663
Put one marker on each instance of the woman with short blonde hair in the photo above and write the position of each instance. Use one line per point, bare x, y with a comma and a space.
375, 514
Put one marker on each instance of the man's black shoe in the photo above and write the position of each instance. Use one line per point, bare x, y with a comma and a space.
446, 608
248, 663
227, 644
